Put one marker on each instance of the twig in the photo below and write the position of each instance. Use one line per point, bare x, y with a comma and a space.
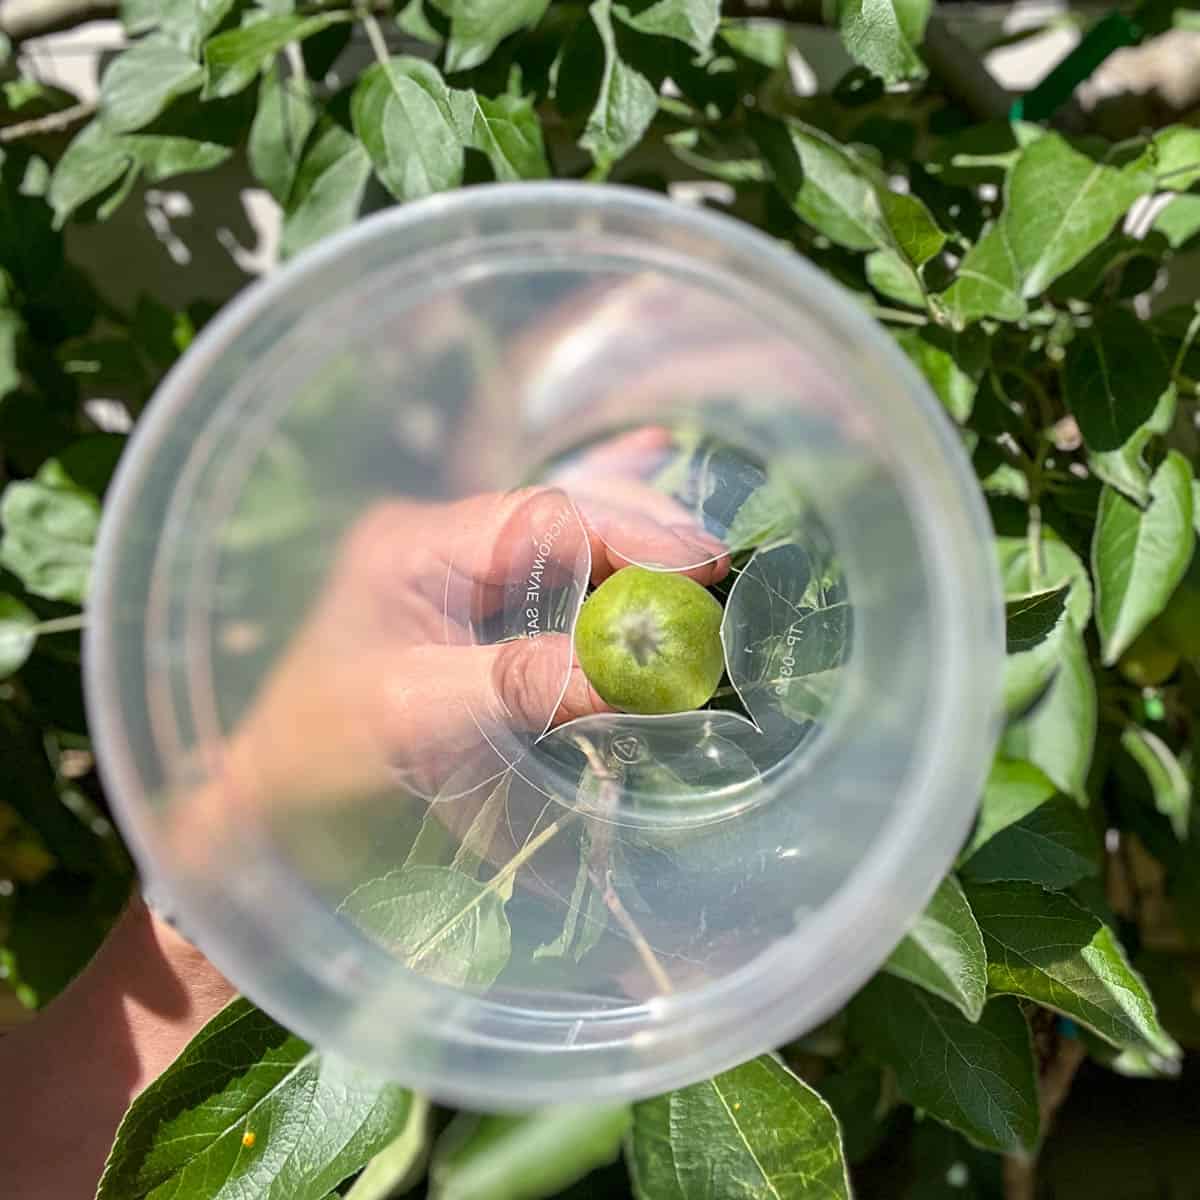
882, 313
1020, 1178
61, 625
1054, 1085
1033, 536
654, 968
600, 872
62, 121
375, 36
1193, 330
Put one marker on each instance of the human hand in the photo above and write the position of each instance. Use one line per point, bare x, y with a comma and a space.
408, 659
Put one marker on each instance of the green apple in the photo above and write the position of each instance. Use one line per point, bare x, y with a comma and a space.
650, 641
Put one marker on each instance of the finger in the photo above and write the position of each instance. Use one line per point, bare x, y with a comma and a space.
538, 683
621, 537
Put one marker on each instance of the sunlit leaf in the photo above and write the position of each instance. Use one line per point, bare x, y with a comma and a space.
758, 1129
250, 1109
1042, 945
943, 952
978, 1077
1139, 556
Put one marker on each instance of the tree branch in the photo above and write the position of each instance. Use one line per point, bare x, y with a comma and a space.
1054, 1084
63, 121
25, 19
962, 72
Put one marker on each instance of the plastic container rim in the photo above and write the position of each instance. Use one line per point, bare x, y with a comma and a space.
962, 597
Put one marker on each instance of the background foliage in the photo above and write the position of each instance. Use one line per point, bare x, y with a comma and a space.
1032, 276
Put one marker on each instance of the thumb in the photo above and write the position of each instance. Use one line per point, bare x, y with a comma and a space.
526, 684
446, 706
537, 682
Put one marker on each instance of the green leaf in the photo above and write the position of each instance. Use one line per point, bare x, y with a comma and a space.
29, 785
18, 634
415, 128
142, 82
1045, 947
443, 923
477, 27
824, 185
856, 1094
11, 328
283, 120
977, 1078
894, 279
1139, 556
413, 19
912, 226
1029, 620
50, 527
784, 637
1058, 563
1013, 790
185, 22
507, 130
398, 1164
1168, 781
883, 35
1054, 845
1125, 468
626, 104
315, 1120
721, 154
328, 189
1029, 669
943, 952
1179, 221
586, 917
1113, 376
1135, 1062
98, 158
951, 363
693, 22
1029, 675
844, 197
1059, 204
771, 512
403, 114
55, 927
235, 58
90, 461
757, 1130
94, 161
1175, 153
525, 1157
988, 281
1060, 734
761, 41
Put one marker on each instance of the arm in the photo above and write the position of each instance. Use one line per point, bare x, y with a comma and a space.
115, 1028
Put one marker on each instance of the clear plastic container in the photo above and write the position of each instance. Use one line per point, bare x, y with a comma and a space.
329, 663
